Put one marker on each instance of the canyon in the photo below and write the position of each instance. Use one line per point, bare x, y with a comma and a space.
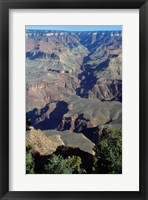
73, 87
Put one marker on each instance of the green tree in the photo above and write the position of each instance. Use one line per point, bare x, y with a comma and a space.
108, 153
58, 165
30, 164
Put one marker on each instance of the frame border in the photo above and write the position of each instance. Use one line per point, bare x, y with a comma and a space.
5, 5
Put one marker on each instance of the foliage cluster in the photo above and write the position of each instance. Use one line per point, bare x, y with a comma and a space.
108, 157
30, 164
58, 165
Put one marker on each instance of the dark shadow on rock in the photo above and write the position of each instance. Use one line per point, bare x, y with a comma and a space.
90, 79
36, 55
31, 116
55, 117
91, 133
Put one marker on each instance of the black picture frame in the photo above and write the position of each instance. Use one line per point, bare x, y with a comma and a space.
5, 5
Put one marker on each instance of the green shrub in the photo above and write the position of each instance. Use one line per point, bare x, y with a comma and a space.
29, 160
58, 165
108, 153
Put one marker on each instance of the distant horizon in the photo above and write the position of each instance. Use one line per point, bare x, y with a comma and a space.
75, 28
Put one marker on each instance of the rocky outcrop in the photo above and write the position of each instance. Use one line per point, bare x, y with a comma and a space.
47, 142
40, 143
71, 139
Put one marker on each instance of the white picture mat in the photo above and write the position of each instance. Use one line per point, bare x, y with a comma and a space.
129, 179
